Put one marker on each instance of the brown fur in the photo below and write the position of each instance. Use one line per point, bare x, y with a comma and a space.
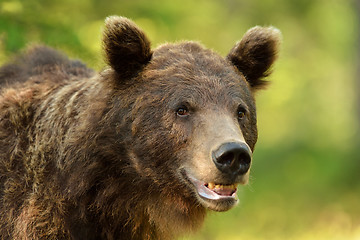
98, 156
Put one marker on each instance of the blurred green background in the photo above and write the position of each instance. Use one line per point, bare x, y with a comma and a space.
306, 175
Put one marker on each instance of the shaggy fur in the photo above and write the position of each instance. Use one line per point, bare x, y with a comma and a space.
87, 155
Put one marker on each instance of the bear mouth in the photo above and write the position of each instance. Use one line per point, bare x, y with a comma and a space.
213, 191
215, 196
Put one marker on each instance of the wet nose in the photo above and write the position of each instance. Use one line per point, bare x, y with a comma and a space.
232, 158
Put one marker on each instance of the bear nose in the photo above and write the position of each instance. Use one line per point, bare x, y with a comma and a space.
232, 158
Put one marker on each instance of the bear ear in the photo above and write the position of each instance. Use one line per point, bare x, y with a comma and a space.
126, 46
255, 53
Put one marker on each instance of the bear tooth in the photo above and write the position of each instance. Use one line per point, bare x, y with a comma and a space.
212, 185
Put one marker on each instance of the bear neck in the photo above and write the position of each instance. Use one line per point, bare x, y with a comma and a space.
126, 204
135, 211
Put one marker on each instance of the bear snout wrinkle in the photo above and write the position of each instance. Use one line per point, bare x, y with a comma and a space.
232, 158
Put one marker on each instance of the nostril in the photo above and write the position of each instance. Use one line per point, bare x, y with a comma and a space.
233, 158
243, 160
227, 158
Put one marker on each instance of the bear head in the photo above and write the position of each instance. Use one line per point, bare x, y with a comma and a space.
190, 128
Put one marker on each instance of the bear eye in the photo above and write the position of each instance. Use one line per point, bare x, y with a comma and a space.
241, 113
182, 111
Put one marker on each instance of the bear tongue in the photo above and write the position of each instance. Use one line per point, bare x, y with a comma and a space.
224, 192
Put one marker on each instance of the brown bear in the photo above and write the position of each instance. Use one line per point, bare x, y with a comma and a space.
140, 150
